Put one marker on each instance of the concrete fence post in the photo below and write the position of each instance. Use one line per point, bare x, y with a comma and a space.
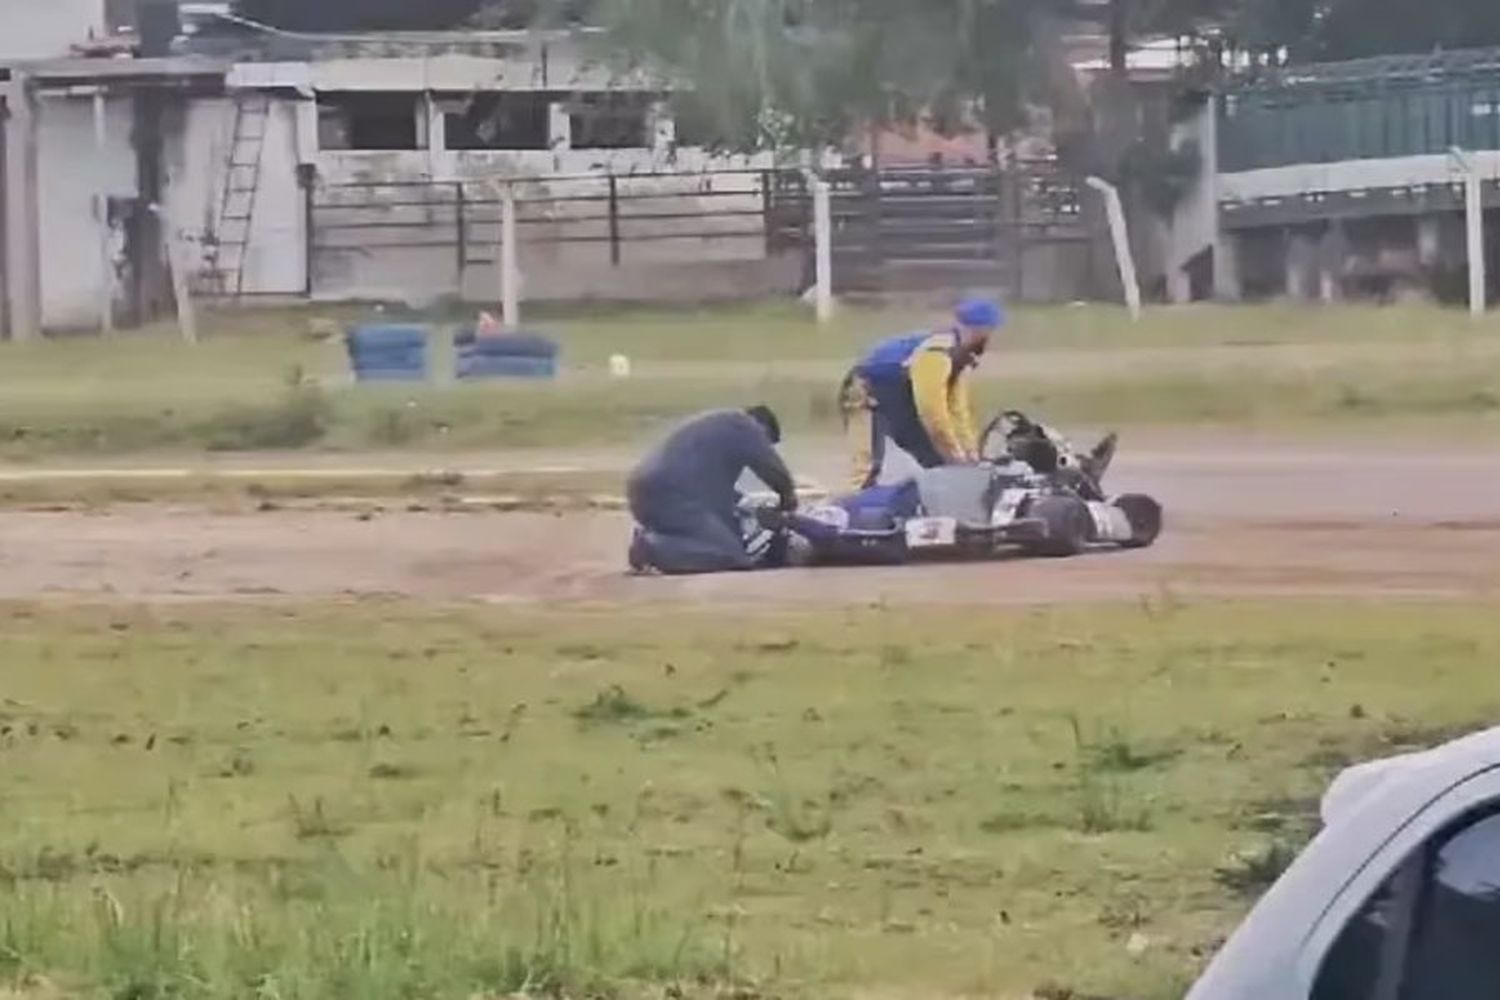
508, 257
177, 269
1474, 227
823, 247
1120, 236
22, 218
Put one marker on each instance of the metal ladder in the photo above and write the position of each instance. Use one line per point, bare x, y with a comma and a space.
252, 113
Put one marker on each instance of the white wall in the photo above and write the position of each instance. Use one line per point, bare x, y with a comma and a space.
1350, 175
196, 155
197, 164
562, 67
342, 166
195, 160
72, 175
44, 29
276, 263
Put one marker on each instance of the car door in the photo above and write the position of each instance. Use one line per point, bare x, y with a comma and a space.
1422, 921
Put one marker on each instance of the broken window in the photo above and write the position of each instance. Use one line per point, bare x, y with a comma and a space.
371, 121
611, 121
509, 120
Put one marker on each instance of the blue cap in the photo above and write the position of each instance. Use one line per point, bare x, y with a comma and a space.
981, 314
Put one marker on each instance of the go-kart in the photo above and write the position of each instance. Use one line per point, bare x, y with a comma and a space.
1031, 491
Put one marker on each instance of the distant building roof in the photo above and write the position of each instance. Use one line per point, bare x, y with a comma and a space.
221, 32
77, 70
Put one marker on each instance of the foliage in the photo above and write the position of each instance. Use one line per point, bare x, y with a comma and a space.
782, 74
1335, 29
776, 74
1164, 176
1344, 29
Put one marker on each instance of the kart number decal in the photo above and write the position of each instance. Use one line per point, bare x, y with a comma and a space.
931, 532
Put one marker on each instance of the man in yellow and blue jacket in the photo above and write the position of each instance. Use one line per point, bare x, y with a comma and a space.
914, 390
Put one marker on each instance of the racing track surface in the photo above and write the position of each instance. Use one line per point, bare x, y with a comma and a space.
1242, 520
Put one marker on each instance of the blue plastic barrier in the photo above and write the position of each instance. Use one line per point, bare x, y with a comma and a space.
511, 355
387, 353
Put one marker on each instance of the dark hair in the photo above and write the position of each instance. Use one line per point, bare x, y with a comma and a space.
764, 416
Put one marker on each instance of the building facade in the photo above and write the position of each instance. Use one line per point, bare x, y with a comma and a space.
362, 168
1340, 180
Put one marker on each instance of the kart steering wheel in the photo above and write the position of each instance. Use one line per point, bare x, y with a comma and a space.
1005, 425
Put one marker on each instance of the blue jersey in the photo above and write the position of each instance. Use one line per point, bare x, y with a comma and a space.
885, 367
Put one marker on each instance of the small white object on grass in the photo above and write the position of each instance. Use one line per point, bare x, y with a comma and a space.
619, 366
1137, 945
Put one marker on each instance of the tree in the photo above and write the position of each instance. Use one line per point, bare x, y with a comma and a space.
770, 73
1309, 30
1346, 29
514, 15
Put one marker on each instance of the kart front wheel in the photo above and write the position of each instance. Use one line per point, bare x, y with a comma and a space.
1068, 526
1145, 516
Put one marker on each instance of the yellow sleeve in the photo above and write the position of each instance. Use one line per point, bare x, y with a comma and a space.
961, 405
931, 369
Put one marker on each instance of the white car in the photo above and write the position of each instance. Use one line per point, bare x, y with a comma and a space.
1398, 898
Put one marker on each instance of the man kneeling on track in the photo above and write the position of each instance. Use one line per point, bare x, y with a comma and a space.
684, 495
914, 390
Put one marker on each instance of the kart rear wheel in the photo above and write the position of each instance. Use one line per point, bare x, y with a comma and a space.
1068, 526
1145, 516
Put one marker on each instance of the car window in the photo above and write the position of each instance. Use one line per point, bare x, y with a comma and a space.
1431, 931
1455, 949
1352, 969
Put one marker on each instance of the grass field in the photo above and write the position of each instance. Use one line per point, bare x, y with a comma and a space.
258, 382
379, 800
265, 491
786, 331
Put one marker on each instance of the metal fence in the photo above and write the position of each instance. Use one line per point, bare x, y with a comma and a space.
908, 227
960, 224
619, 215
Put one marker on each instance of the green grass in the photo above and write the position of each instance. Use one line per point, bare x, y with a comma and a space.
270, 490
260, 383
784, 331
383, 801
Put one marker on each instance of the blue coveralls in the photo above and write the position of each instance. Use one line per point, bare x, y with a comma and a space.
684, 494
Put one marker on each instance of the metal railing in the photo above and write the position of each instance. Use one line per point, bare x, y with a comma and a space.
616, 211
880, 219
